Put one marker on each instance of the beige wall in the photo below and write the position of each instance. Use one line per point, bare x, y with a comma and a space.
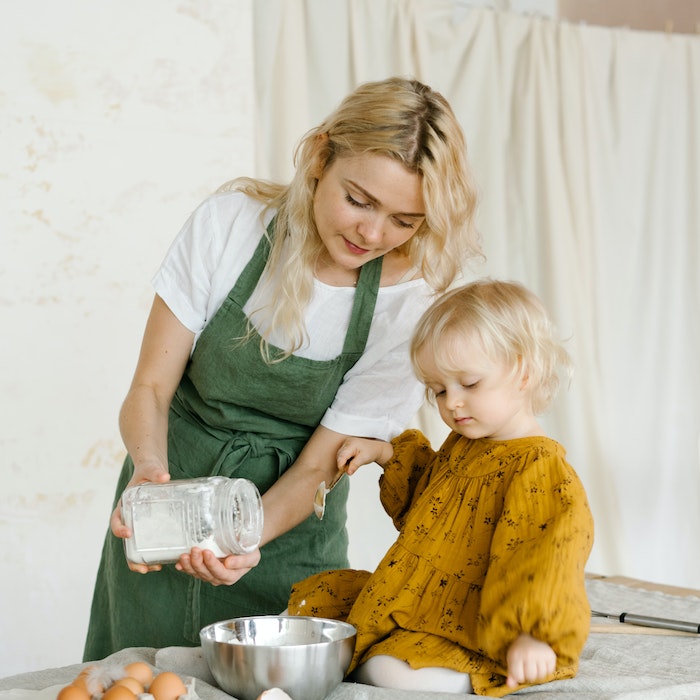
116, 118
680, 16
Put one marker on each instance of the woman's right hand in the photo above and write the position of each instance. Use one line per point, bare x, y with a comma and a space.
143, 419
154, 473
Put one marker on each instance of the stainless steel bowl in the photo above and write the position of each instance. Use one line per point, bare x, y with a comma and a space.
304, 656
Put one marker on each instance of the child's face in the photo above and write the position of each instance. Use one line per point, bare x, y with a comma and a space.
484, 399
366, 206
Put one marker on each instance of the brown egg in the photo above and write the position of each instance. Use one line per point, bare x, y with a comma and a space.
141, 671
91, 679
73, 692
166, 686
136, 687
118, 692
81, 682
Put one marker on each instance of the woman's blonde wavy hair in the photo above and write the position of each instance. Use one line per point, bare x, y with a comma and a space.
511, 325
399, 118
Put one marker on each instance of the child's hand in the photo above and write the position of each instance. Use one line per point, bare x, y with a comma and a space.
529, 661
355, 452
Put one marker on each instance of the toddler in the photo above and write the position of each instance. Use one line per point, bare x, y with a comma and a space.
484, 589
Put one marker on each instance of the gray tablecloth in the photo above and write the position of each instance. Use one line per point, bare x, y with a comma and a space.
619, 662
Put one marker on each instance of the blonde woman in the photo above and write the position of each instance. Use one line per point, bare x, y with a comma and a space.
280, 326
483, 591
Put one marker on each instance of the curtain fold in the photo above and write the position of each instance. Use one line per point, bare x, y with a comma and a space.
585, 146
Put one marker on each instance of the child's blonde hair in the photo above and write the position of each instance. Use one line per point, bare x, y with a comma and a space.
404, 120
511, 325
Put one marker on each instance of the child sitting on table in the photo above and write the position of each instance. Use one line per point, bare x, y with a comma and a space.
484, 590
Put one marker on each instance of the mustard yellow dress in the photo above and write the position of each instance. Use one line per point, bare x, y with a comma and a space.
493, 541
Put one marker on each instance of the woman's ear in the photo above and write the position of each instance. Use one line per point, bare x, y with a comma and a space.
319, 155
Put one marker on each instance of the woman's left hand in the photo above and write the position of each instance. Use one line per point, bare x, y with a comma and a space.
204, 564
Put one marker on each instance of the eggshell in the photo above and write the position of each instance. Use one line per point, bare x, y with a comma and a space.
141, 671
131, 683
166, 686
73, 692
118, 692
274, 694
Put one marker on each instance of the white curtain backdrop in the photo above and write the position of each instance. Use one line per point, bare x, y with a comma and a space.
585, 143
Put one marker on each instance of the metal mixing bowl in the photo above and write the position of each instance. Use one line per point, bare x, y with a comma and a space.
304, 656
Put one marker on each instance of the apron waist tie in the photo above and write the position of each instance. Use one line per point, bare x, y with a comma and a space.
236, 447
235, 451
192, 612
239, 449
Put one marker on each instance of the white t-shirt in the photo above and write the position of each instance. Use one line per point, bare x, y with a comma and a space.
380, 393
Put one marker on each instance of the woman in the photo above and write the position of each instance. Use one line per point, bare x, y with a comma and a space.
279, 327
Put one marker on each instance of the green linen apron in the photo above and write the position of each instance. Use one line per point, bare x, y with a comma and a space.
234, 415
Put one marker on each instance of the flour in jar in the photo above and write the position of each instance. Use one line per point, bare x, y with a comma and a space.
221, 514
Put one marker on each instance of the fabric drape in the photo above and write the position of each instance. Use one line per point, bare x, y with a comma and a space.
585, 143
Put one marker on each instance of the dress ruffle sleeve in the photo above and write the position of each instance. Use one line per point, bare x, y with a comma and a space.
402, 481
535, 582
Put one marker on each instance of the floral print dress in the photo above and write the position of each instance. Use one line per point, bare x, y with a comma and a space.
493, 541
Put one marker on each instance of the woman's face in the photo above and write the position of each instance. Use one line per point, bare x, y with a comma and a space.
365, 206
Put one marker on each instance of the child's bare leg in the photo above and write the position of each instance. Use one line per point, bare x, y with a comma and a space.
389, 672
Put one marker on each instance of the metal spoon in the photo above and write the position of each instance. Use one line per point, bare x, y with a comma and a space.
647, 621
322, 492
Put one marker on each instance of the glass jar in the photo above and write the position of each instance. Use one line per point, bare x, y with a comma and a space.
218, 513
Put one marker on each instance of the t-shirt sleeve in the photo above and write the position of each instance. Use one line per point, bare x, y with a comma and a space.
183, 280
208, 255
381, 393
